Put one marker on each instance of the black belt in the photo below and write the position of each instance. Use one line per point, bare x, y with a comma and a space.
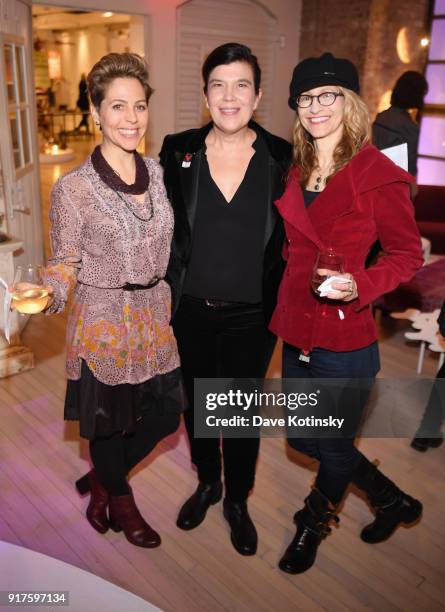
221, 303
128, 286
136, 287
218, 303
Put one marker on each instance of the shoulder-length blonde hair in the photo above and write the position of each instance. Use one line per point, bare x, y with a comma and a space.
356, 133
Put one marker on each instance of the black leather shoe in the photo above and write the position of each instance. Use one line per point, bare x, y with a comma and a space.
194, 511
423, 444
243, 533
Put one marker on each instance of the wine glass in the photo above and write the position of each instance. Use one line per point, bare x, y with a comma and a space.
327, 259
29, 295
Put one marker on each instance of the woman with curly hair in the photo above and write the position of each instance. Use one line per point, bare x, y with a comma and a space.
342, 195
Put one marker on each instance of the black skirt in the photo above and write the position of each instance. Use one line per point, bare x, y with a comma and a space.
103, 410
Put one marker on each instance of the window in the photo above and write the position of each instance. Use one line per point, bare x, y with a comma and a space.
18, 103
431, 161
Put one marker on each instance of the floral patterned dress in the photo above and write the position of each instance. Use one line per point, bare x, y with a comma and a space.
119, 341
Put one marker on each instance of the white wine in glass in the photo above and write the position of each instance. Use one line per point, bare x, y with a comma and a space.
29, 295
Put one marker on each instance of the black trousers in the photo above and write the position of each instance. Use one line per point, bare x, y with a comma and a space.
229, 341
435, 408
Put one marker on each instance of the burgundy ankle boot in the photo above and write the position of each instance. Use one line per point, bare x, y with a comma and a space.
99, 499
125, 516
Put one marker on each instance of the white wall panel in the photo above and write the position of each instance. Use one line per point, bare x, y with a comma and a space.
202, 25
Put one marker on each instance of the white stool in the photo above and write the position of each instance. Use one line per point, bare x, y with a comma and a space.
426, 249
426, 323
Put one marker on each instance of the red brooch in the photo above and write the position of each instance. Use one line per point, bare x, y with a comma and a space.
187, 160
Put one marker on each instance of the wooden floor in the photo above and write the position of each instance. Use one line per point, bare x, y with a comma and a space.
41, 457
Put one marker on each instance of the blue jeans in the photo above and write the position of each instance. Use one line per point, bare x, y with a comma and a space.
338, 457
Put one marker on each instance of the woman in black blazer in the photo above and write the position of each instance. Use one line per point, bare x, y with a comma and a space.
225, 266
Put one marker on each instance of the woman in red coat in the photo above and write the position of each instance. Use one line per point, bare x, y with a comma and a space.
342, 195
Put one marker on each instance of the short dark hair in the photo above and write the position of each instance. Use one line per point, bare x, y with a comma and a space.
409, 90
114, 66
227, 54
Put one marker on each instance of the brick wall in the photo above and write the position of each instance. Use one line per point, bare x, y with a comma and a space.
368, 33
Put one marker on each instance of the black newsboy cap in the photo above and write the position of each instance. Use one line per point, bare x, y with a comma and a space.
324, 70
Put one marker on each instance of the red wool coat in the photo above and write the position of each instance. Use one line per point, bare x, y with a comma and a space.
367, 200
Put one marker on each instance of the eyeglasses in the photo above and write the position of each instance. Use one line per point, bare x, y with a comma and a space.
327, 98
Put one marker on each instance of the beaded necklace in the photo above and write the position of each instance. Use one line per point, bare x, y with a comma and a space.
111, 178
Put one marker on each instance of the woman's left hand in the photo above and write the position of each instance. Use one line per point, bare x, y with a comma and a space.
344, 292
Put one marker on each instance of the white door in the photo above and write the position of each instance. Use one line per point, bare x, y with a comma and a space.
18, 132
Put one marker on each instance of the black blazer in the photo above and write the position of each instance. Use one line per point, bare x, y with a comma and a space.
181, 157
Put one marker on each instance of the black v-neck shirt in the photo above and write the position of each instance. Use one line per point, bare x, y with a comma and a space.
226, 261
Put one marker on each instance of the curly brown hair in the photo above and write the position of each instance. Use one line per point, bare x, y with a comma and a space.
356, 133
114, 66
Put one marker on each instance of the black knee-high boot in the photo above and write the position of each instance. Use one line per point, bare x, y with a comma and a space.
391, 505
312, 526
